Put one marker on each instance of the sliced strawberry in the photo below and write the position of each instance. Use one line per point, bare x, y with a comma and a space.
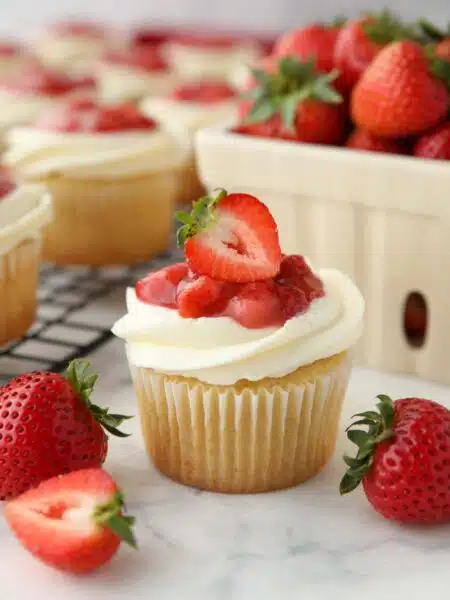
160, 287
230, 238
256, 305
201, 297
72, 522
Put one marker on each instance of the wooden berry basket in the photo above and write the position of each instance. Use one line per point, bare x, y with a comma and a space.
382, 219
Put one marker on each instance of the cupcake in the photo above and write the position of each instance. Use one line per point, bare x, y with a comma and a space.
75, 45
24, 211
209, 56
131, 74
113, 176
240, 356
189, 107
34, 89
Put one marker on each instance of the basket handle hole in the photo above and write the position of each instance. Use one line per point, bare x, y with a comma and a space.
415, 319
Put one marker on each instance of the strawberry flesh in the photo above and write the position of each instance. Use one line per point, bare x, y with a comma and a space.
146, 58
38, 80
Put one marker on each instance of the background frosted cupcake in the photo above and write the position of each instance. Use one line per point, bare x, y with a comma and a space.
113, 176
189, 107
132, 73
14, 58
24, 212
240, 357
34, 89
197, 56
73, 46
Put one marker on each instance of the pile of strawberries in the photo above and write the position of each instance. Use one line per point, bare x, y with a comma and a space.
374, 83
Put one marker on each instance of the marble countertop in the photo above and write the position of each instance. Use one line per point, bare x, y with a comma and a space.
306, 543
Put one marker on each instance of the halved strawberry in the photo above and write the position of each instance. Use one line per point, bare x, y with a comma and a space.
230, 237
201, 297
160, 287
72, 522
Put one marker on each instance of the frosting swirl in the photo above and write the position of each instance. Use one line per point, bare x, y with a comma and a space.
220, 351
35, 153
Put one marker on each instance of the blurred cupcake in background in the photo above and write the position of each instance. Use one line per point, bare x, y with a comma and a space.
24, 96
149, 37
24, 212
197, 56
14, 57
75, 45
132, 73
113, 176
189, 107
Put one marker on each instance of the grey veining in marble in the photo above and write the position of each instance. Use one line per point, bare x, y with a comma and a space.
302, 544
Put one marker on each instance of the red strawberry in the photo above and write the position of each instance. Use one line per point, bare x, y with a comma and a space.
398, 95
297, 101
403, 460
438, 38
363, 140
434, 144
267, 129
160, 287
7, 184
361, 40
314, 41
49, 426
201, 297
72, 522
256, 305
230, 238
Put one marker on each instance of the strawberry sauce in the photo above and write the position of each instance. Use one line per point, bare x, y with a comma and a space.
203, 92
255, 305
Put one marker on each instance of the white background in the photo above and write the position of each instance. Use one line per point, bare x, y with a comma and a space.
20, 17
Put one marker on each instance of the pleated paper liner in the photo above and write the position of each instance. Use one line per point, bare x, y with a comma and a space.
251, 437
19, 271
110, 222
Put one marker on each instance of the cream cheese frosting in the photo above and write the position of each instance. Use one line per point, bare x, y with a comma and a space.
220, 351
120, 83
35, 153
23, 213
185, 118
193, 62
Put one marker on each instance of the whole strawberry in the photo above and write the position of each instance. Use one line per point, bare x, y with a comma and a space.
403, 460
359, 41
314, 41
434, 144
294, 103
363, 140
400, 93
49, 426
439, 39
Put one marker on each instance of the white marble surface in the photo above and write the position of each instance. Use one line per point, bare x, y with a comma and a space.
302, 544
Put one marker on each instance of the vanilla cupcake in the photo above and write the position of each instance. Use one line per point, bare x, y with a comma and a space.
34, 89
241, 356
210, 56
131, 74
190, 107
24, 212
74, 46
113, 176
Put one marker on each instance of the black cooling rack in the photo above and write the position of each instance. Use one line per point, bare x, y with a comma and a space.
76, 308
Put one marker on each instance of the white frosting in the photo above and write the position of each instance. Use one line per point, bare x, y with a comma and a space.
23, 213
64, 50
220, 351
183, 119
120, 83
35, 153
193, 62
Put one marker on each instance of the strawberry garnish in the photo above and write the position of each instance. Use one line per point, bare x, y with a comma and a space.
49, 426
363, 140
301, 102
72, 522
230, 237
161, 286
403, 459
201, 297
204, 92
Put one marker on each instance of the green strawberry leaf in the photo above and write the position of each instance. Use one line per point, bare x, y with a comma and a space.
262, 110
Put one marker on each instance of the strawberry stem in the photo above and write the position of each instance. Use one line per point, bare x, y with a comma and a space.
200, 218
432, 32
385, 27
379, 429
110, 515
83, 384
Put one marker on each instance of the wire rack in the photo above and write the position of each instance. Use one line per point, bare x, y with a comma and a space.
76, 308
